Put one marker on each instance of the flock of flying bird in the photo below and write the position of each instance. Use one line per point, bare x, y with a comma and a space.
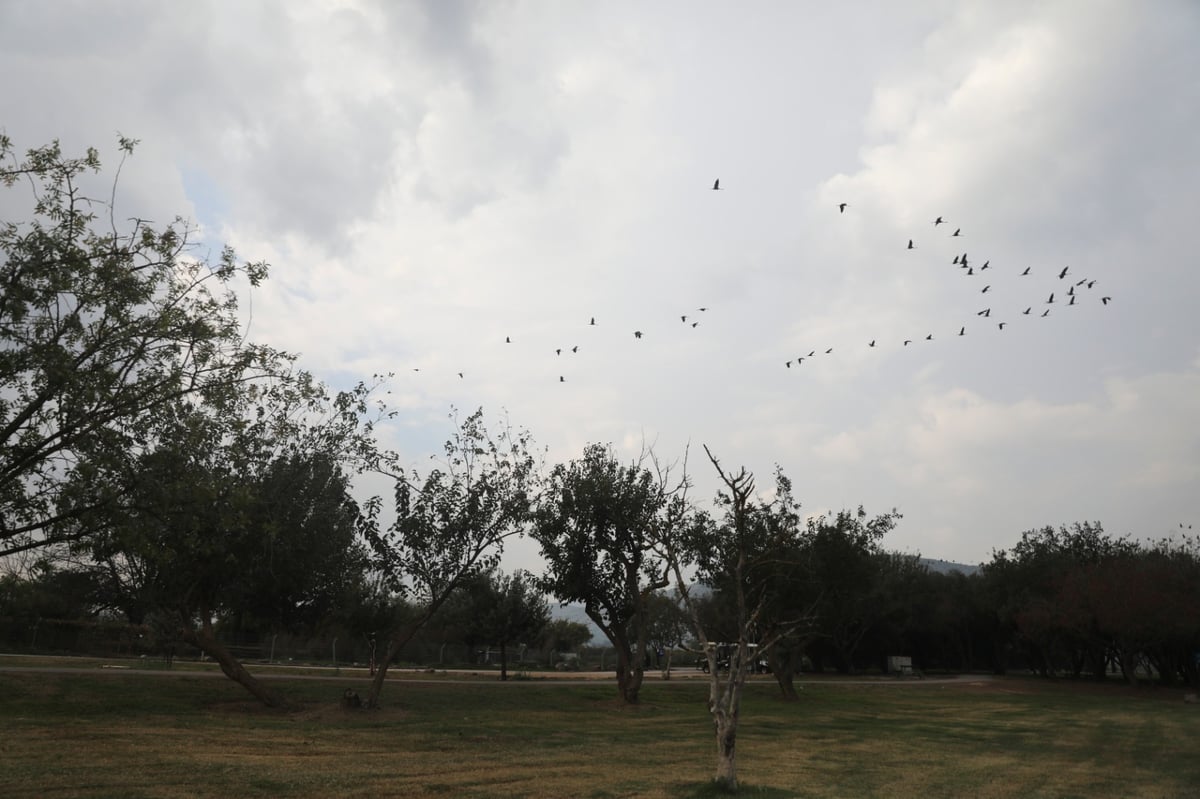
1062, 293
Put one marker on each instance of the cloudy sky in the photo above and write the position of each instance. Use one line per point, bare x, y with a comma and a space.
429, 180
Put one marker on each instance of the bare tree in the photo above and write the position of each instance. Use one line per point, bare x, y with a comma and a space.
742, 556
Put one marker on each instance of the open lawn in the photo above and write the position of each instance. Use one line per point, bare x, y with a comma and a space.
113, 734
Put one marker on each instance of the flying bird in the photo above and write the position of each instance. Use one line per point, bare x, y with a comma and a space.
507, 340
842, 207
955, 260
929, 337
985, 290
938, 221
829, 350
561, 379
957, 232
907, 341
788, 364
1026, 272
1063, 273
637, 334
1105, 300
985, 265
593, 321
575, 348
984, 312
910, 245
558, 351
962, 331
1027, 310
1002, 324
460, 375
717, 184
872, 344
1051, 298
1046, 313
683, 318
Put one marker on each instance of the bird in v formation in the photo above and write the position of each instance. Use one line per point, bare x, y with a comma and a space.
960, 260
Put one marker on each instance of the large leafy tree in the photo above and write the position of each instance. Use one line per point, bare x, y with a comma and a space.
247, 512
602, 528
505, 609
452, 523
102, 322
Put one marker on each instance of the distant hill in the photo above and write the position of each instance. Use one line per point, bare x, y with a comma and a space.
947, 567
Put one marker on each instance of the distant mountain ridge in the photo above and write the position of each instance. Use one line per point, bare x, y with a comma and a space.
947, 566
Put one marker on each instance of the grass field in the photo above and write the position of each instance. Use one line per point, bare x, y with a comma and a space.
111, 734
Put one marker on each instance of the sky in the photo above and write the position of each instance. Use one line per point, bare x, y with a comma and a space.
460, 187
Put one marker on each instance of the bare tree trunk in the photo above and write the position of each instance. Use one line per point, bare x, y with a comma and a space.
205, 640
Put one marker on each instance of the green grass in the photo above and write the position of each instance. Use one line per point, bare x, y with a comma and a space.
101, 734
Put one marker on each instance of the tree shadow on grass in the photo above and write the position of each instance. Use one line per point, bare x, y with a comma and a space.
713, 790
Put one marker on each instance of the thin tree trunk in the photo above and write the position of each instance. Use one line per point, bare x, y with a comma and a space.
205, 640
503, 662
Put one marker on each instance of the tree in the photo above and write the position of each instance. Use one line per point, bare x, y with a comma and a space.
248, 515
100, 326
452, 524
600, 525
848, 563
742, 556
562, 635
506, 609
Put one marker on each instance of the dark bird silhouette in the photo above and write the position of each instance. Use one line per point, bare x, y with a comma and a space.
985, 290
507, 340
1046, 313
1091, 283
929, 337
575, 348
788, 364
970, 271
938, 221
637, 334
1051, 298
829, 350
957, 232
593, 321
1105, 300
1080, 282
986, 264
955, 260
907, 341
1071, 291
814, 352
558, 351
683, 318
842, 207
1026, 272
985, 312
1072, 302
1063, 273
460, 374
695, 323
701, 309
962, 331
562, 379
717, 184
1027, 310
1002, 324
910, 245
872, 344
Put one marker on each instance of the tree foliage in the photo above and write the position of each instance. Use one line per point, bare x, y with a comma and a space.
452, 523
602, 528
102, 324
